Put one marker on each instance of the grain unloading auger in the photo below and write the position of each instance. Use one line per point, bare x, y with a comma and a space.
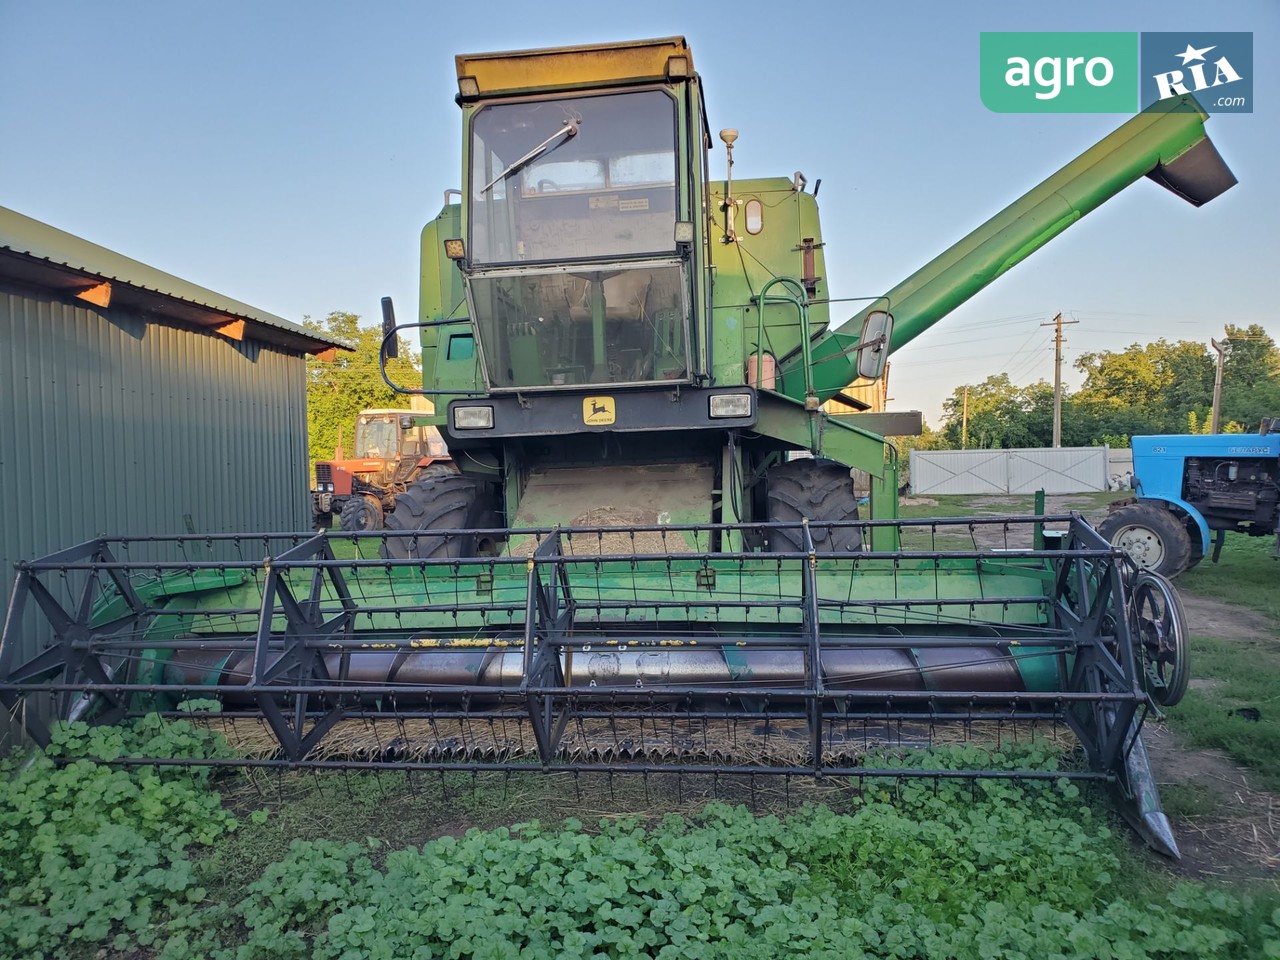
632, 572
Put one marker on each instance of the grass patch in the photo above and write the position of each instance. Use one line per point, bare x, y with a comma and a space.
346, 547
1189, 800
1211, 716
1245, 672
1245, 575
986, 505
937, 538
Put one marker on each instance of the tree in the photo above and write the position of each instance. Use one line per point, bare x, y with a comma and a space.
1146, 388
1001, 415
1253, 358
1152, 388
1250, 377
339, 389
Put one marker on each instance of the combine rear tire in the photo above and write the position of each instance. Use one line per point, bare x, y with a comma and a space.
452, 502
361, 513
819, 490
431, 471
1152, 536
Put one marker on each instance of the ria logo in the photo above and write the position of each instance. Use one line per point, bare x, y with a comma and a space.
1215, 68
1172, 84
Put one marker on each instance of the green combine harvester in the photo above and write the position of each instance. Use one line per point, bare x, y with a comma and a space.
655, 557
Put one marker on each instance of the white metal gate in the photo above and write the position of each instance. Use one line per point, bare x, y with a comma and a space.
1053, 470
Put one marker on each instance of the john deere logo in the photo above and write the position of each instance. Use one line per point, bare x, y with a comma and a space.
597, 411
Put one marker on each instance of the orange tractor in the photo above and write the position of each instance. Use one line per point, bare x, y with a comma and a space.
393, 449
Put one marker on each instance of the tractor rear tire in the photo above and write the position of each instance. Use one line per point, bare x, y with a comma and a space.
361, 513
452, 502
1152, 536
815, 489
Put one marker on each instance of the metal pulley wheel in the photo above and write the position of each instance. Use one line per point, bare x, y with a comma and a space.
1160, 628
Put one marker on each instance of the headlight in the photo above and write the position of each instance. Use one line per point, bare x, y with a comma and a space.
473, 418
731, 405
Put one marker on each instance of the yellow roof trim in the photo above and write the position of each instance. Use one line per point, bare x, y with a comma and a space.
557, 68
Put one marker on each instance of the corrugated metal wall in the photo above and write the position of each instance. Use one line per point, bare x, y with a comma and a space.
113, 423
1061, 470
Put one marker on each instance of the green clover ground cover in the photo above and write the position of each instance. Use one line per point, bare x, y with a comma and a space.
96, 857
91, 854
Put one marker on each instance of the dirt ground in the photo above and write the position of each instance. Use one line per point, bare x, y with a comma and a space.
997, 536
1238, 837
1054, 504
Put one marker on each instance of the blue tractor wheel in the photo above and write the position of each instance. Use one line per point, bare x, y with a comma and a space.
1152, 536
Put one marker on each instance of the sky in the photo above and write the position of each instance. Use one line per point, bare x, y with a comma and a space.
287, 154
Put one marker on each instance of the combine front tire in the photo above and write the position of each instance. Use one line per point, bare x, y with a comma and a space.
1152, 537
361, 513
452, 502
816, 489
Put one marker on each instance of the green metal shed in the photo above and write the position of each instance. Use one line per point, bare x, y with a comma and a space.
134, 402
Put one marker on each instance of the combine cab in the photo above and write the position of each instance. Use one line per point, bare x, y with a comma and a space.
655, 555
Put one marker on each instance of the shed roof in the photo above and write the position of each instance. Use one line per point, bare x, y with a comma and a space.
36, 253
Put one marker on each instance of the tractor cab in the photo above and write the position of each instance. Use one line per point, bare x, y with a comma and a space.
377, 436
395, 436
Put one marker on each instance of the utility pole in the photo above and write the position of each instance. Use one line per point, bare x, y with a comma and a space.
1057, 323
964, 421
1222, 349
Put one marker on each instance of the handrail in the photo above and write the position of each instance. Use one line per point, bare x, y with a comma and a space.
801, 304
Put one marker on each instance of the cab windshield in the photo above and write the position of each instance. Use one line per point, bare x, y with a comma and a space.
574, 276
598, 178
377, 438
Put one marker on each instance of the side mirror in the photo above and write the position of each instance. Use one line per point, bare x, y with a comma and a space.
390, 342
873, 345
406, 423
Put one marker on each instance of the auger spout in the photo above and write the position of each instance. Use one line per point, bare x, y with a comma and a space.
1167, 143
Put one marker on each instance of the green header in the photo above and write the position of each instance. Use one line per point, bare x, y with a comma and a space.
1059, 72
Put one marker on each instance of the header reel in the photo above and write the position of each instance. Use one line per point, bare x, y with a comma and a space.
601, 649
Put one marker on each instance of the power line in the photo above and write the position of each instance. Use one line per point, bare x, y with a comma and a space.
931, 345
1030, 362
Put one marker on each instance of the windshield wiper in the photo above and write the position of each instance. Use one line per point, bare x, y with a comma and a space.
568, 131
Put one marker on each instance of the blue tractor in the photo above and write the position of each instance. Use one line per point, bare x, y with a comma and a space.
1193, 489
